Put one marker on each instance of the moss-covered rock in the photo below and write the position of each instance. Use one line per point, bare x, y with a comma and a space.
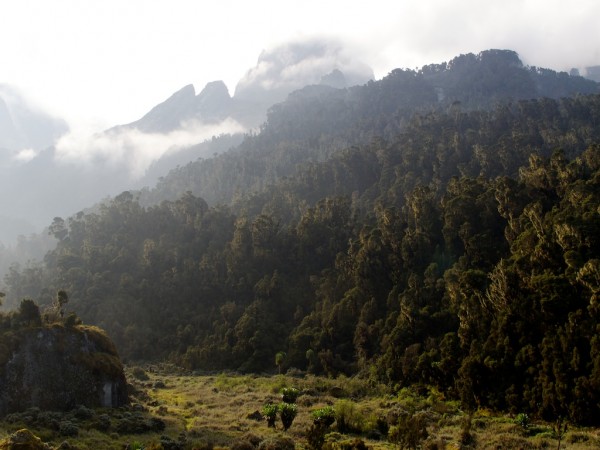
23, 440
57, 368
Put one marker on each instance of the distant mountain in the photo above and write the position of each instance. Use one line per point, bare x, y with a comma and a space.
213, 104
277, 73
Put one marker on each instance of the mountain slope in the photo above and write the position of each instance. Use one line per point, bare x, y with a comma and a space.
316, 121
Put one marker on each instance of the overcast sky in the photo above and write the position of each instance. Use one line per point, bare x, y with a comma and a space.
104, 62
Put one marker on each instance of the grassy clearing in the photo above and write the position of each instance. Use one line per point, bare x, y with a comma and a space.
174, 410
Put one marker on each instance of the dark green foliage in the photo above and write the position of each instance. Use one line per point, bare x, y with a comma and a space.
137, 423
269, 412
324, 416
289, 395
68, 429
29, 314
287, 414
523, 420
410, 431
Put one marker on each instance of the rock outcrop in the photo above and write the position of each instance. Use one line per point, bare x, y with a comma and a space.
57, 367
23, 440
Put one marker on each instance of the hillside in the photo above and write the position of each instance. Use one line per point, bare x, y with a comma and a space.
318, 120
385, 230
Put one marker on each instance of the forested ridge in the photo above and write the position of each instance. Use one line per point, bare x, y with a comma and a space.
455, 247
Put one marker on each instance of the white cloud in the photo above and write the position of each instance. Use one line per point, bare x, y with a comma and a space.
133, 150
25, 155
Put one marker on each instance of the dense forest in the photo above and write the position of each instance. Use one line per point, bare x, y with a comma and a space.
407, 231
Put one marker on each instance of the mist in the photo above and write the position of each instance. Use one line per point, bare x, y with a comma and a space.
292, 65
133, 151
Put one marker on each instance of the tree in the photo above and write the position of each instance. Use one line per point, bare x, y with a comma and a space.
29, 313
279, 359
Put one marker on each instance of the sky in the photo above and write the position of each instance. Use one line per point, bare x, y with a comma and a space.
98, 63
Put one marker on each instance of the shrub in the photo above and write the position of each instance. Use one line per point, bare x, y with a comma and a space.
168, 443
324, 416
68, 429
290, 395
102, 422
287, 413
410, 431
315, 436
269, 412
347, 416
83, 413
136, 424
522, 419
139, 374
277, 443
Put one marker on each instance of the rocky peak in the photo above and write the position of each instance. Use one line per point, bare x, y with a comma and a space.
213, 102
167, 115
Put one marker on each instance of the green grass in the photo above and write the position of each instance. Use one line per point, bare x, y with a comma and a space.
211, 412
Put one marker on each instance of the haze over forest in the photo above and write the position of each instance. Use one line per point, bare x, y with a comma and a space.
56, 173
438, 226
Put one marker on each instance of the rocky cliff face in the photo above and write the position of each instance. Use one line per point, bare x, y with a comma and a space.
57, 368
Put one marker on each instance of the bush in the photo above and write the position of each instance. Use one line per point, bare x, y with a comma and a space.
83, 413
68, 429
287, 413
169, 443
139, 374
269, 412
522, 419
348, 417
277, 443
137, 424
315, 436
290, 395
102, 422
410, 431
324, 416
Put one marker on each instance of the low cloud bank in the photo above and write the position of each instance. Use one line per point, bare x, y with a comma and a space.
133, 150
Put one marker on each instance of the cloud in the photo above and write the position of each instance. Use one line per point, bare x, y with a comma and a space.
25, 155
132, 150
297, 63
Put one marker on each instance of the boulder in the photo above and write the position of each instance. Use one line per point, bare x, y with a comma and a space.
23, 440
57, 368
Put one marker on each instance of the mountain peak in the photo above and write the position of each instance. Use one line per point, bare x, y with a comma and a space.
213, 102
